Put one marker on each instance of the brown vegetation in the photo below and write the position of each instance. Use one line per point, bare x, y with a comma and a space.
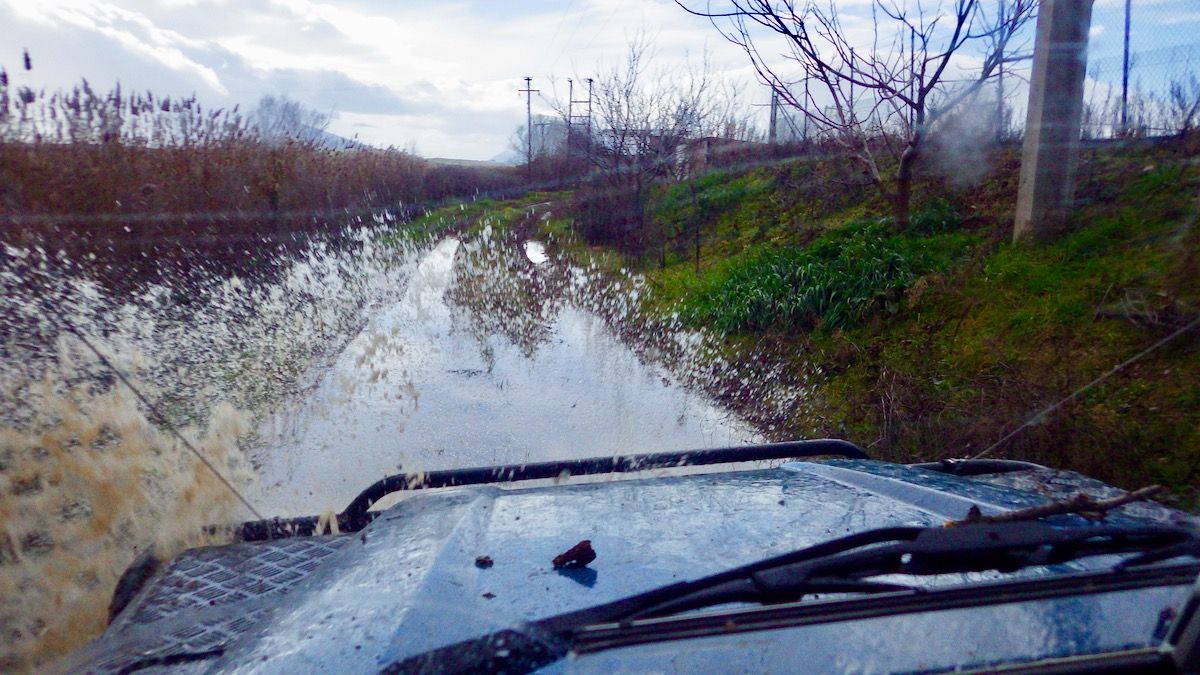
130, 182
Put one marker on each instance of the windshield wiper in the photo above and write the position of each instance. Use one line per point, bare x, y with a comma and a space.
846, 565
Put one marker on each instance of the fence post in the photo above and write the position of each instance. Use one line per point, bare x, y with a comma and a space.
1051, 150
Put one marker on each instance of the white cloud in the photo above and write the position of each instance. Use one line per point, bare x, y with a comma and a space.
444, 74
130, 31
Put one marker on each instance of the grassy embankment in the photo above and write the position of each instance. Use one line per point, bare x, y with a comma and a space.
936, 341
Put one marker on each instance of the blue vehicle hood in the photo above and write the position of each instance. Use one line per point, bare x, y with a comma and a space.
410, 581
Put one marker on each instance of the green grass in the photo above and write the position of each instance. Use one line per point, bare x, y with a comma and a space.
470, 216
1018, 327
937, 341
835, 282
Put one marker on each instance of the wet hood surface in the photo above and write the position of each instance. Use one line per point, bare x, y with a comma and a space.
410, 581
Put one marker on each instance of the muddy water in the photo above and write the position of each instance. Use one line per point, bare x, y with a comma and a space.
476, 364
89, 476
348, 364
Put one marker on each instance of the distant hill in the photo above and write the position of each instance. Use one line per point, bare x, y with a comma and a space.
333, 141
509, 157
478, 163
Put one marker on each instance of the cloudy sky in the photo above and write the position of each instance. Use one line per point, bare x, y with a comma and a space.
438, 76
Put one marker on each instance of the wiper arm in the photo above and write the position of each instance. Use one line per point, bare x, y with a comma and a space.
844, 565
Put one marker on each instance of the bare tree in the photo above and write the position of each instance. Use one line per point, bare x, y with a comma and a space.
643, 119
278, 120
882, 90
1184, 104
642, 122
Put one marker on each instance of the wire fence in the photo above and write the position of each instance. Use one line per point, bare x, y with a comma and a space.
1143, 59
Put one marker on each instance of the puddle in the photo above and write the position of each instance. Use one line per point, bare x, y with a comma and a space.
432, 384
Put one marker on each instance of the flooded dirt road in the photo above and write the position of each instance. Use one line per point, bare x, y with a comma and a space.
347, 363
436, 381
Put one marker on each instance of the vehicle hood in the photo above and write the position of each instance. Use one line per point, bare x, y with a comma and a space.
410, 581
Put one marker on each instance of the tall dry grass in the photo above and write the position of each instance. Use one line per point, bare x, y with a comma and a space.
133, 180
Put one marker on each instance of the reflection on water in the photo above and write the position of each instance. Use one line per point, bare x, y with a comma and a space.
480, 362
536, 252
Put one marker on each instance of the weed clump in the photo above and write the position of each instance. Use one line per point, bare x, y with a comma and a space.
838, 280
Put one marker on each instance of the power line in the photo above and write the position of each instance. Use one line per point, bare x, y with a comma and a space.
162, 419
1051, 408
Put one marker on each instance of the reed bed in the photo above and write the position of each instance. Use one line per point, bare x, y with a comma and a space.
130, 183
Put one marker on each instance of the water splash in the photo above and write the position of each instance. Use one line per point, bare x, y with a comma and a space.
87, 480
489, 358
353, 361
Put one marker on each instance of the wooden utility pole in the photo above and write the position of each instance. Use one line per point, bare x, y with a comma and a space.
1051, 151
529, 92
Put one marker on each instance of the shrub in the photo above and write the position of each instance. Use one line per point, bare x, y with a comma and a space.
835, 282
610, 216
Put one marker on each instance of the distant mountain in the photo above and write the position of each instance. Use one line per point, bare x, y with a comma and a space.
509, 157
309, 134
464, 162
333, 141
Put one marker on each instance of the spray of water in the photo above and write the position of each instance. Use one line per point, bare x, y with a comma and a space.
88, 478
352, 361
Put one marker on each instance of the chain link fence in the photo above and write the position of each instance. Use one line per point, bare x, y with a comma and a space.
1143, 60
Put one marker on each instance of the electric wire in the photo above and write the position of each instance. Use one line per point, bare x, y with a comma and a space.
162, 419
1051, 408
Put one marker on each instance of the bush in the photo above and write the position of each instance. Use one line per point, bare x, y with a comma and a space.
940, 216
835, 282
610, 216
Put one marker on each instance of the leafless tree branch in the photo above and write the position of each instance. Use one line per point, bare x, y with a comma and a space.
889, 96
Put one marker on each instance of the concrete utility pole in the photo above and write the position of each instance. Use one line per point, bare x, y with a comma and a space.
541, 136
570, 112
1125, 74
773, 131
529, 92
807, 102
589, 120
1000, 126
1051, 151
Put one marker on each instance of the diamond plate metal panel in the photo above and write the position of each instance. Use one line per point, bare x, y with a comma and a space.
207, 579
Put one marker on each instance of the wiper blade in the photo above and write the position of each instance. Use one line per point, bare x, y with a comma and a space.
846, 564
843, 565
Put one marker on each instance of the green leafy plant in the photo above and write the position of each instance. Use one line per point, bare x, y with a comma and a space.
835, 282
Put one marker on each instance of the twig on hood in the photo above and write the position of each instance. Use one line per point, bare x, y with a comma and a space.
1084, 504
